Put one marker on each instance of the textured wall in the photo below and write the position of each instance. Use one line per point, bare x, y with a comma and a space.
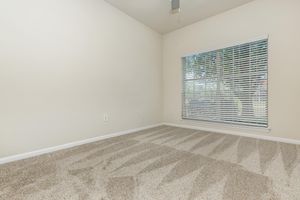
64, 63
277, 18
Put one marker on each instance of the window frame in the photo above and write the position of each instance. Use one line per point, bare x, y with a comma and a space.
232, 123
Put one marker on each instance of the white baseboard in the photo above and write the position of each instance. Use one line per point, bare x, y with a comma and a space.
90, 140
69, 145
263, 137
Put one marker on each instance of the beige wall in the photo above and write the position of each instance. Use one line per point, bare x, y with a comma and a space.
64, 63
278, 18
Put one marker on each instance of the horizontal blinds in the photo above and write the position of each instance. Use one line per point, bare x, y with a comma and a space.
227, 85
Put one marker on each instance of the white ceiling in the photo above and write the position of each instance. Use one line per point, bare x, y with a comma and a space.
156, 13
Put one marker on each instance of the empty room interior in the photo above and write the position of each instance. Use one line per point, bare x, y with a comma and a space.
149, 100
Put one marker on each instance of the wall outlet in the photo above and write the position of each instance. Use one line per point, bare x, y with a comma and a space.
105, 117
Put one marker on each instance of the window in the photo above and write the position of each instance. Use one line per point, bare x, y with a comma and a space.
228, 85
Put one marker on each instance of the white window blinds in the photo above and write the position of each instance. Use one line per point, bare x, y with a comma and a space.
228, 85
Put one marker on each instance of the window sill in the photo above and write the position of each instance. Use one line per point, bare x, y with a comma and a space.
229, 127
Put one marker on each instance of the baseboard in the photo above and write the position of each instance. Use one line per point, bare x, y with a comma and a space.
69, 145
262, 137
90, 140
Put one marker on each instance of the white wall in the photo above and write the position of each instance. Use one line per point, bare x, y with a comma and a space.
278, 18
64, 63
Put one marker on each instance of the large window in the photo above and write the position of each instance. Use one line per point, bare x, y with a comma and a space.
228, 85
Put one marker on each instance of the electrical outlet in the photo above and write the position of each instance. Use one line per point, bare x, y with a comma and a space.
105, 117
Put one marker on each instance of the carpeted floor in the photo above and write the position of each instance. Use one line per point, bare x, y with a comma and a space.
159, 164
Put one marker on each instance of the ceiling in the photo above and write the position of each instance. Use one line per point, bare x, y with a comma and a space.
156, 13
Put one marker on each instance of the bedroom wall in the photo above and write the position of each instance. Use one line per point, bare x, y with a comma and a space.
277, 18
64, 64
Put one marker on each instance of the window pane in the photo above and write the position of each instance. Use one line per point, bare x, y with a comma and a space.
228, 85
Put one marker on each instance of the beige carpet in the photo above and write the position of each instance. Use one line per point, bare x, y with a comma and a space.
159, 164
